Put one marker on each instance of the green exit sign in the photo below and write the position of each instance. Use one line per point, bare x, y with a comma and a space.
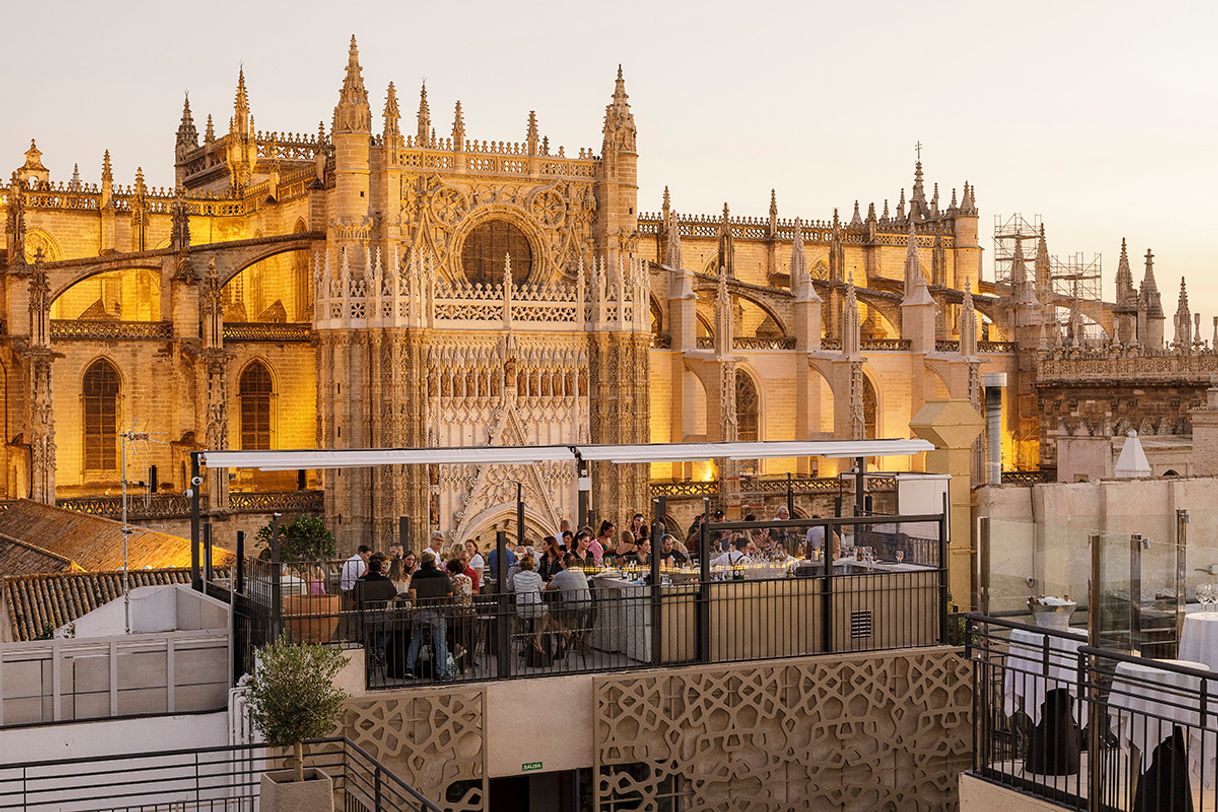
530, 766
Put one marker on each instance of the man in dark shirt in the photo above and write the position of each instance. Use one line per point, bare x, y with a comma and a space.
670, 555
430, 594
373, 591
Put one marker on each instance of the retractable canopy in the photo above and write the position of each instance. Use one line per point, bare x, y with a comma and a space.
483, 455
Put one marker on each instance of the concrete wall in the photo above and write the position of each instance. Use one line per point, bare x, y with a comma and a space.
106, 737
154, 609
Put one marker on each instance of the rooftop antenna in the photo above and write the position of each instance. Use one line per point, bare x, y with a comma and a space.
129, 437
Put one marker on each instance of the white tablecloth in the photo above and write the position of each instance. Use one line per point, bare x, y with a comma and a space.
1146, 702
1199, 638
1026, 681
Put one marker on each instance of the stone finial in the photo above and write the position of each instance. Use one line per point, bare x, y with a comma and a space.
666, 205
968, 204
672, 252
918, 207
242, 122
75, 184
857, 218
619, 129
916, 292
352, 114
188, 136
951, 208
871, 212
885, 216
1151, 301
1126, 295
801, 280
531, 136
1040, 268
1182, 338
968, 322
423, 130
392, 115
107, 174
901, 206
851, 329
209, 133
458, 126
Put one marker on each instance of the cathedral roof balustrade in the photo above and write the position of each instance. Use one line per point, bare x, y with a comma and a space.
997, 346
89, 330
1073, 366
278, 333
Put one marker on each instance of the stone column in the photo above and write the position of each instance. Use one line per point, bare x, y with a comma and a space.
953, 425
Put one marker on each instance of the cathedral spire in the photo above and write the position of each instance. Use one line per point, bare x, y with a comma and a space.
1041, 267
901, 207
242, 119
857, 219
619, 130
915, 281
423, 131
392, 114
1151, 300
107, 174
1182, 338
209, 133
968, 206
918, 208
188, 136
352, 114
1126, 296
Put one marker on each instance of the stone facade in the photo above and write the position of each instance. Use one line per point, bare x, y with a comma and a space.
411, 288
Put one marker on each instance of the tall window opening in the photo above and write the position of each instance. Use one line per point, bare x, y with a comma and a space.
101, 416
255, 394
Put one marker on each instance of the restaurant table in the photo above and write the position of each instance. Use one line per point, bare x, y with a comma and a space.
1199, 639
1048, 694
1155, 711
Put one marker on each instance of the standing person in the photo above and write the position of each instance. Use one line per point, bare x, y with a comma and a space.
476, 561
437, 545
354, 568
373, 591
430, 593
399, 574
492, 562
460, 629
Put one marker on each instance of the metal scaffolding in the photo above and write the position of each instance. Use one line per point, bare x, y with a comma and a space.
1010, 231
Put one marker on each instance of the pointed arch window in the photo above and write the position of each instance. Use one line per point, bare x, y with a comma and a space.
100, 391
748, 421
482, 254
255, 391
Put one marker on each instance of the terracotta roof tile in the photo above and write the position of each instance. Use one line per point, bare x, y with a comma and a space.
90, 542
31, 604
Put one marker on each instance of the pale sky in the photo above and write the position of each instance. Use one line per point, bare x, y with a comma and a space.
1098, 116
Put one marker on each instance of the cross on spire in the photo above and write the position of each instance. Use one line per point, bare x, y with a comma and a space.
918, 149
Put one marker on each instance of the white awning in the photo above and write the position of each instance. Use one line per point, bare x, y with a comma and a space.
481, 455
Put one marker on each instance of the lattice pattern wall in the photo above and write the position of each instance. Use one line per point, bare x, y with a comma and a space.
873, 732
869, 731
433, 739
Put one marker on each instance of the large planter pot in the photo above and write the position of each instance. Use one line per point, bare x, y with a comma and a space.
311, 618
280, 793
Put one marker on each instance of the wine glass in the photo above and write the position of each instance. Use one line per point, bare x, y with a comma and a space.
1206, 595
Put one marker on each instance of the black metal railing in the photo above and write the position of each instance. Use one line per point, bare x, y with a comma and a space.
207, 778
884, 587
1090, 728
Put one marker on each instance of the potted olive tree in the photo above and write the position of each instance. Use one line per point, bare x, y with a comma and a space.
291, 698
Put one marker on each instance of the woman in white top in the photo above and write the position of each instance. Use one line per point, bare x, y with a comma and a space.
527, 585
476, 561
